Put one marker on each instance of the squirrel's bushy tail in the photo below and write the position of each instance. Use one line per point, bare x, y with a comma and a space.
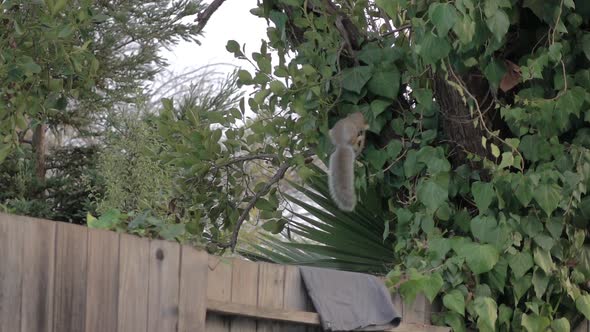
341, 177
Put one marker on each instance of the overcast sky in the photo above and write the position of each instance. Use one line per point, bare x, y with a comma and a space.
231, 21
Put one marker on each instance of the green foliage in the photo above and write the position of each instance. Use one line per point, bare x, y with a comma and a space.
506, 230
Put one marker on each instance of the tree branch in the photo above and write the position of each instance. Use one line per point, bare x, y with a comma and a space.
204, 16
276, 178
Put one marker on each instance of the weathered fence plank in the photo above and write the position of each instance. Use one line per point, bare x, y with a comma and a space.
295, 296
219, 288
164, 283
102, 291
271, 281
244, 290
69, 311
193, 290
133, 283
11, 259
38, 274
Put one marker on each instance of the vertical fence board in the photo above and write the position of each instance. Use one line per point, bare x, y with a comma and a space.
271, 283
244, 290
38, 274
133, 283
219, 288
11, 255
163, 286
583, 327
295, 296
69, 311
102, 290
419, 312
193, 290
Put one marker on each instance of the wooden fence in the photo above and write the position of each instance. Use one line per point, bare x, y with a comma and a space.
62, 277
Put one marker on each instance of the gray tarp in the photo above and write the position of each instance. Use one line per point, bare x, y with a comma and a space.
348, 301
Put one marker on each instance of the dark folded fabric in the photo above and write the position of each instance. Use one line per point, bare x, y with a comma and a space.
348, 301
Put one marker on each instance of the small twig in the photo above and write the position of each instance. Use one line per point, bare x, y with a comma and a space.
247, 158
204, 16
276, 178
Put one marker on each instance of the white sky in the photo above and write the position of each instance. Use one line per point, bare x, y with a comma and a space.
231, 21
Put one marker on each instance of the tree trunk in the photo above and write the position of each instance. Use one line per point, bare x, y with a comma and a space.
39, 148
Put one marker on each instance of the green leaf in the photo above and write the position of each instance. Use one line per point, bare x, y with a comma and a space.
433, 48
443, 16
561, 325
543, 260
454, 300
583, 305
487, 313
548, 197
498, 24
586, 45
355, 78
480, 258
434, 191
391, 7
465, 29
483, 194
535, 323
540, 282
378, 106
385, 83
494, 72
520, 263
432, 286
277, 87
172, 231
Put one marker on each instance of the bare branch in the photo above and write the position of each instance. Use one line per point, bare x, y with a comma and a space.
276, 178
247, 158
204, 16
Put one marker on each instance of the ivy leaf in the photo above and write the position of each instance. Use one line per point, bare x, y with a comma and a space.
172, 231
548, 197
385, 83
465, 29
443, 16
504, 314
586, 45
455, 301
540, 282
391, 6
432, 286
561, 325
535, 323
355, 78
494, 72
480, 258
520, 263
583, 305
521, 286
487, 313
433, 48
434, 191
543, 260
498, 24
483, 194
378, 106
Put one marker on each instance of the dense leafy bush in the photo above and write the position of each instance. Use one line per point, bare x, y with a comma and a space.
479, 142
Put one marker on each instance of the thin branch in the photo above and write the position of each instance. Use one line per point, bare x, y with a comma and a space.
276, 178
204, 16
249, 157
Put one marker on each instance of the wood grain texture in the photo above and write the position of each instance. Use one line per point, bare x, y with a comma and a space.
295, 297
419, 312
271, 284
69, 303
133, 283
38, 276
193, 289
163, 286
11, 268
219, 289
102, 292
244, 290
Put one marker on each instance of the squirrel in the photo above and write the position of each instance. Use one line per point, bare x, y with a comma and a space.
348, 137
